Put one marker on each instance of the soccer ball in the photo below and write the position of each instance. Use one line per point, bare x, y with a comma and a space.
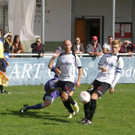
84, 97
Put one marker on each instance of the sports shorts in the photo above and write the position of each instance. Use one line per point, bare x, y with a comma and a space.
2, 66
98, 87
51, 99
53, 95
66, 86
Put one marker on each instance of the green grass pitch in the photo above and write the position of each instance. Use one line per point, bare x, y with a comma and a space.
115, 114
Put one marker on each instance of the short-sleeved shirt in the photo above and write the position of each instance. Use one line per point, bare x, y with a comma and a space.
114, 65
66, 64
90, 48
107, 46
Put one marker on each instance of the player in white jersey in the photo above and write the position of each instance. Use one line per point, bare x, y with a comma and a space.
111, 66
65, 67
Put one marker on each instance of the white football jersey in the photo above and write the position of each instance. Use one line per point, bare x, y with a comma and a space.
114, 65
66, 64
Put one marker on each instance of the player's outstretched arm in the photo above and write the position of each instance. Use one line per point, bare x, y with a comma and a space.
56, 54
79, 77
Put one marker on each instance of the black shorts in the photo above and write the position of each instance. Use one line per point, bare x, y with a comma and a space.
2, 66
98, 87
65, 86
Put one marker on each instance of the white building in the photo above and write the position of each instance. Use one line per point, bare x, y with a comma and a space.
66, 19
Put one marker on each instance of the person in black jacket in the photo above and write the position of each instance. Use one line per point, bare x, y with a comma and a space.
38, 47
8, 45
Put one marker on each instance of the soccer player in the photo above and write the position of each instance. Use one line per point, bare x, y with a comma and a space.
65, 68
2, 67
51, 90
111, 66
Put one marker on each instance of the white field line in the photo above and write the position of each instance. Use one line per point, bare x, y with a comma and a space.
76, 91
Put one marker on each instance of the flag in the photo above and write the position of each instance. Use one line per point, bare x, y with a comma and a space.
3, 79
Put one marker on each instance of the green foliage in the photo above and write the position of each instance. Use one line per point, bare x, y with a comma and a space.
114, 114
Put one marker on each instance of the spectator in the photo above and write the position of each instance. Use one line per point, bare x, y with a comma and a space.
127, 47
38, 47
93, 48
18, 47
8, 45
78, 46
107, 47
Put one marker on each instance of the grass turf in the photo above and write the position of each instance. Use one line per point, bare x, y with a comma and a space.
114, 114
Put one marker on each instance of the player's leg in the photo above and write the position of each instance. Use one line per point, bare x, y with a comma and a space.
67, 101
98, 92
3, 70
47, 102
92, 108
86, 106
64, 98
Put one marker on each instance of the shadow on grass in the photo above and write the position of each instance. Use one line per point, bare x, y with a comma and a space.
37, 115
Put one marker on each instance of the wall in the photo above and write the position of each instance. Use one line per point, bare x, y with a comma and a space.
58, 20
95, 8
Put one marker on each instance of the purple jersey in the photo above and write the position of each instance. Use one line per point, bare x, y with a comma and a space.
51, 85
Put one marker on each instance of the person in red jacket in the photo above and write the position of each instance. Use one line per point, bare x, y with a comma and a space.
127, 47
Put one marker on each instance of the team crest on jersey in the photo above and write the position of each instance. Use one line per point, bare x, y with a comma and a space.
66, 87
91, 87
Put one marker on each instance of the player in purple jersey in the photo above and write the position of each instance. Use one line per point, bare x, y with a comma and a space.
51, 90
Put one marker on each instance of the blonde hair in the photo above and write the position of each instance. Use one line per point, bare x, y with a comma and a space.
117, 42
10, 41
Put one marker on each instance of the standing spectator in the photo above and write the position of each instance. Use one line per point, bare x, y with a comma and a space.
127, 47
93, 48
8, 44
18, 47
2, 67
65, 68
78, 46
107, 47
110, 67
38, 47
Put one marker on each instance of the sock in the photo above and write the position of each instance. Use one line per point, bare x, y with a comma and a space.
71, 100
92, 108
1, 87
68, 106
38, 106
86, 110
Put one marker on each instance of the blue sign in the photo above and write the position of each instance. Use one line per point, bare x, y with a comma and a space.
34, 71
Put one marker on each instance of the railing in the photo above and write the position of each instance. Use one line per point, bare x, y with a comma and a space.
51, 54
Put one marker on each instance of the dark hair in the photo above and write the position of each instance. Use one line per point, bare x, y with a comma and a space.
110, 37
15, 37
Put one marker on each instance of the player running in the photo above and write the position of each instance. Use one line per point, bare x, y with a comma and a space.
65, 67
111, 66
